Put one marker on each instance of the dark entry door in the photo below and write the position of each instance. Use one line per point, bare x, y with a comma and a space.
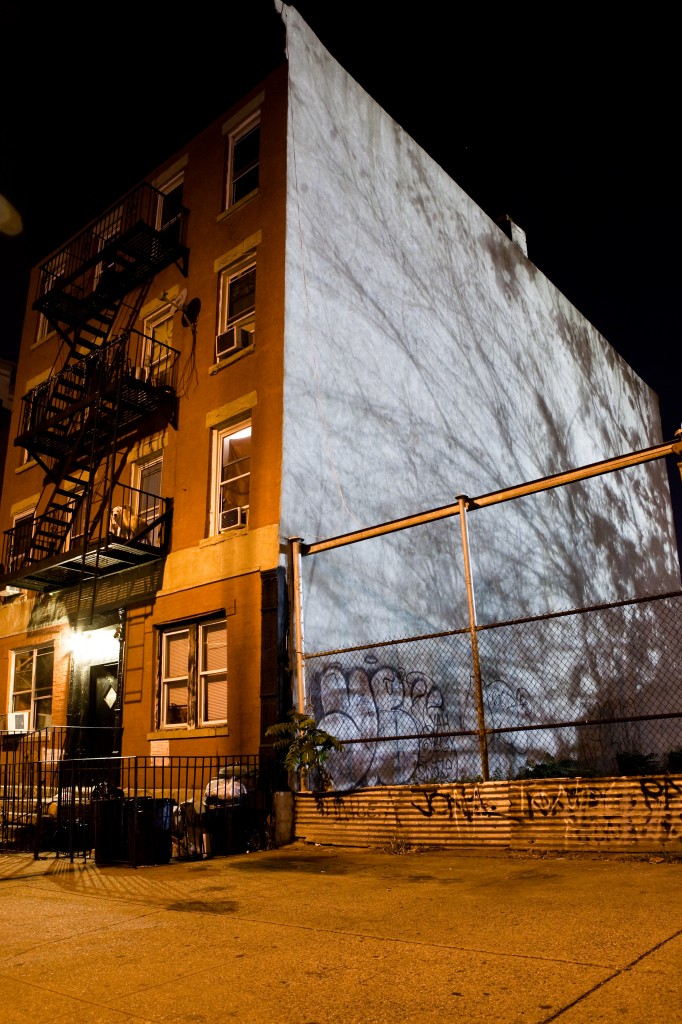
101, 715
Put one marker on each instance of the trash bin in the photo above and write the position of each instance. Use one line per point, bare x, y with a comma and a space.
223, 813
149, 829
111, 841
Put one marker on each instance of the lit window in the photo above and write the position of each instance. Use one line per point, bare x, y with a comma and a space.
243, 160
32, 686
194, 675
236, 311
232, 477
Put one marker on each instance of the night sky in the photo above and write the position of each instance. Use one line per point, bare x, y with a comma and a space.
565, 125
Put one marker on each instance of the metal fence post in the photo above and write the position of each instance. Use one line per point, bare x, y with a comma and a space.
297, 620
463, 501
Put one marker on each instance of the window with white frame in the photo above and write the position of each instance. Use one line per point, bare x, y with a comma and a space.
156, 353
45, 328
169, 211
232, 477
31, 696
212, 697
243, 160
147, 481
236, 310
194, 674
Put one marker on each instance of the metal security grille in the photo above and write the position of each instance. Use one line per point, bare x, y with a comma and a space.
595, 691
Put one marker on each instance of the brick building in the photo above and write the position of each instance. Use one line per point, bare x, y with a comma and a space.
295, 325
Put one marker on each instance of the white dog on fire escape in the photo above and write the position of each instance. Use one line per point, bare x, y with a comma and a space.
125, 523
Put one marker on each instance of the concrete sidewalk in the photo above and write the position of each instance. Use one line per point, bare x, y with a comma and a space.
325, 935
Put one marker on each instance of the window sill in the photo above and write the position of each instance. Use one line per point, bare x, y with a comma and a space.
218, 538
238, 205
50, 336
217, 367
31, 464
184, 733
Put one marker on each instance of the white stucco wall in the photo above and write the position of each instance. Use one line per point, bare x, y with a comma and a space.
426, 356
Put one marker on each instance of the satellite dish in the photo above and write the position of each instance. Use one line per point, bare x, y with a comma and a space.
190, 312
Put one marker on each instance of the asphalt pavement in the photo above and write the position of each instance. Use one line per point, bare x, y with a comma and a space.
327, 935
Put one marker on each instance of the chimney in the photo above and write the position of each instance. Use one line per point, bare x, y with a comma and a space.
513, 231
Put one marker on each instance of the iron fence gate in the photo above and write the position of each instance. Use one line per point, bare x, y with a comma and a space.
132, 810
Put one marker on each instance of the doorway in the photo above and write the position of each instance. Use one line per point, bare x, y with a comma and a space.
101, 716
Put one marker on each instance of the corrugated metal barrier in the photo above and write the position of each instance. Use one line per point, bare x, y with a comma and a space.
635, 815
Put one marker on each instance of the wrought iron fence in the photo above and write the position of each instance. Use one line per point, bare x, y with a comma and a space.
595, 691
131, 810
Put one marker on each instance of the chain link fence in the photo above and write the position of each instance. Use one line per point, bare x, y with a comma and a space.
588, 692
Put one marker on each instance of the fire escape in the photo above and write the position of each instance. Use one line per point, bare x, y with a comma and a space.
114, 387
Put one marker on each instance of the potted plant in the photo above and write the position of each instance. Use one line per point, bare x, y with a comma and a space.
307, 749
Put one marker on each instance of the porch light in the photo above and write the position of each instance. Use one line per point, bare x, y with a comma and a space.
96, 646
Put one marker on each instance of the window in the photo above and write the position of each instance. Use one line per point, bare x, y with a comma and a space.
148, 482
169, 212
106, 231
156, 353
78, 524
22, 538
53, 271
32, 685
232, 476
237, 310
243, 160
45, 328
194, 674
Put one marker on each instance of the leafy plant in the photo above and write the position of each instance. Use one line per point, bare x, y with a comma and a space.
306, 746
566, 769
632, 762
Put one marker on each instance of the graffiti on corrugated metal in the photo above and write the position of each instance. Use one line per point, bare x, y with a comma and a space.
459, 802
602, 811
624, 813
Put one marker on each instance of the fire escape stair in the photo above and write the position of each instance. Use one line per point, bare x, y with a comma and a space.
80, 424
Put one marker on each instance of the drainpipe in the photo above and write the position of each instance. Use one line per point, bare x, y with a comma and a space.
463, 501
297, 620
118, 706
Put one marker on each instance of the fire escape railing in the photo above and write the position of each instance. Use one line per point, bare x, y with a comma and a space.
144, 369
115, 386
129, 516
83, 283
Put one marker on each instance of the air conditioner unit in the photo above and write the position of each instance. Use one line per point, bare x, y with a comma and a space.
19, 721
232, 340
234, 517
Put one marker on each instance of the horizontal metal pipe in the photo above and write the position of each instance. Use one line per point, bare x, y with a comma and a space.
545, 483
539, 726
